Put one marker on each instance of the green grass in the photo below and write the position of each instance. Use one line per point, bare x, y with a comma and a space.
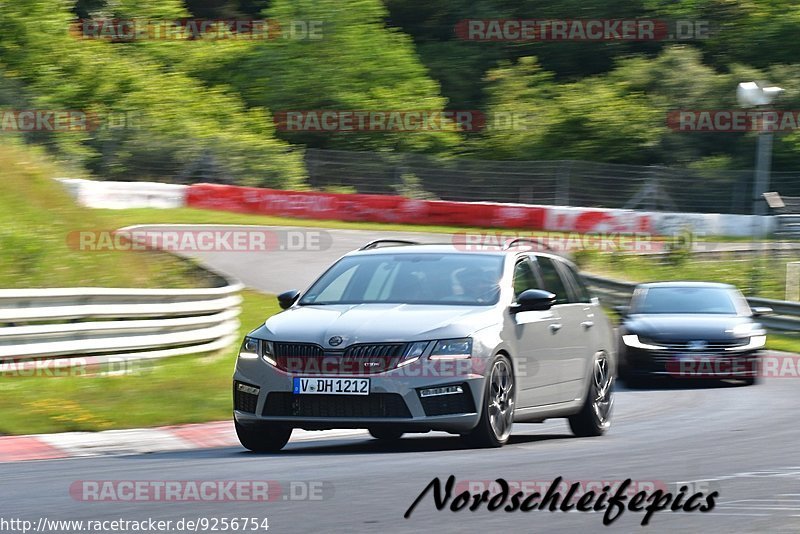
787, 341
37, 216
183, 389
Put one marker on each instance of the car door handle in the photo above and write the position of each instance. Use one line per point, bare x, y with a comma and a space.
587, 324
555, 327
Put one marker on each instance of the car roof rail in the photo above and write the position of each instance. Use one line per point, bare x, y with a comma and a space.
535, 241
396, 242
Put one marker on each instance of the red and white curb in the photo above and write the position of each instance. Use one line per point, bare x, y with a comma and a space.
138, 441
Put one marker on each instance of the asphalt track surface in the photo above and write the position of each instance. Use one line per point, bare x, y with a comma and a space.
743, 442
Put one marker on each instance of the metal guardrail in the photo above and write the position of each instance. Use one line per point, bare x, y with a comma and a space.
116, 324
786, 315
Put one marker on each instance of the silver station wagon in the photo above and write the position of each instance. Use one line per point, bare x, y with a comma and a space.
401, 337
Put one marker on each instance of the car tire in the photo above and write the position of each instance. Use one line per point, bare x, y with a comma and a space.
750, 381
263, 437
497, 410
594, 419
385, 434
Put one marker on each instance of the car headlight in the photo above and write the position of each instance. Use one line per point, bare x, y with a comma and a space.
452, 349
413, 352
747, 330
756, 342
268, 352
632, 340
250, 349
253, 348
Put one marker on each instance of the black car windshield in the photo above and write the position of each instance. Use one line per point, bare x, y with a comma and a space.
715, 300
426, 278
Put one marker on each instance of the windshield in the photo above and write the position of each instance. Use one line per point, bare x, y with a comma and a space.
715, 300
427, 278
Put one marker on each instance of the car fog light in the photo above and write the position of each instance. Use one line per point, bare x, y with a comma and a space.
446, 390
244, 388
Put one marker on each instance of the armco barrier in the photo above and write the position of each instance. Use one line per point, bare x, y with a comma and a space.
118, 324
786, 315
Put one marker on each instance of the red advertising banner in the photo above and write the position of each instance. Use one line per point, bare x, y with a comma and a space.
358, 207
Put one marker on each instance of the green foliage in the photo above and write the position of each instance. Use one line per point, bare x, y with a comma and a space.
357, 64
177, 120
203, 108
595, 119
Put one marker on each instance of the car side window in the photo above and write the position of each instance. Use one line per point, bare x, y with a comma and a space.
578, 285
552, 280
523, 277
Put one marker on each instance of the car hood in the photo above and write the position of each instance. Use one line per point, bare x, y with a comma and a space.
684, 326
373, 323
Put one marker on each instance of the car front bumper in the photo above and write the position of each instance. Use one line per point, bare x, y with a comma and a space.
734, 365
394, 400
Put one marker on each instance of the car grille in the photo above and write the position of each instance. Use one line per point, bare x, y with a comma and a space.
449, 404
685, 347
360, 359
388, 405
714, 349
244, 402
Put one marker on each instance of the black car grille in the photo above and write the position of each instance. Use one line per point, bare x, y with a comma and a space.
244, 402
449, 404
361, 359
389, 405
673, 349
710, 347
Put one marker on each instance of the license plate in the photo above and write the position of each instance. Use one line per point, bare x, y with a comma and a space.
331, 386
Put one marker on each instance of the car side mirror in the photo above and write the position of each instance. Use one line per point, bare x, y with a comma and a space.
622, 310
758, 311
533, 299
288, 298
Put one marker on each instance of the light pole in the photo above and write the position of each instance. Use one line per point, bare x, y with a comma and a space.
749, 95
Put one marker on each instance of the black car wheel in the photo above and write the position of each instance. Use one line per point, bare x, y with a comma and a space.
263, 437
